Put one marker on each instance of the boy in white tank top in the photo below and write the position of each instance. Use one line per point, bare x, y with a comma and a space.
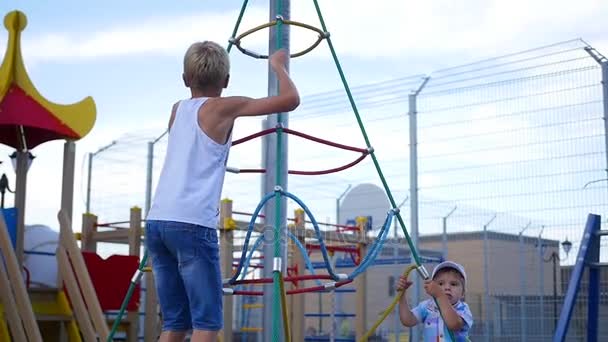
181, 234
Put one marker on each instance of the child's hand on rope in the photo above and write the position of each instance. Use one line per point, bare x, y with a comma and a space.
433, 289
403, 283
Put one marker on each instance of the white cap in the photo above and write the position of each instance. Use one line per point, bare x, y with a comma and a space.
452, 265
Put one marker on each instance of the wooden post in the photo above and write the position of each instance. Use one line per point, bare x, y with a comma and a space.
297, 308
67, 188
89, 228
24, 307
151, 322
134, 249
80, 310
8, 300
82, 275
226, 249
361, 285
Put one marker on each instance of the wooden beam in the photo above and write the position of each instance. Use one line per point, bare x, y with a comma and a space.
82, 275
80, 310
16, 279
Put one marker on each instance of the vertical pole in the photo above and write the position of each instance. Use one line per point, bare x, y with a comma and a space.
396, 320
604, 65
522, 280
67, 190
273, 145
20, 190
149, 167
593, 302
554, 260
134, 239
413, 128
361, 286
445, 233
541, 282
298, 300
226, 251
89, 169
522, 290
486, 282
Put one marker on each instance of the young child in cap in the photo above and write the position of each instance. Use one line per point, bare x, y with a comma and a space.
447, 286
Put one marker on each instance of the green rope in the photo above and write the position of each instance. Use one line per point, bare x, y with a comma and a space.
365, 137
125, 301
367, 142
236, 26
277, 274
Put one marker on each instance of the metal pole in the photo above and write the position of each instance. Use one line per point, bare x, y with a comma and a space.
149, 166
20, 190
90, 171
486, 282
554, 257
522, 283
603, 62
270, 178
541, 282
445, 233
413, 127
397, 323
413, 133
339, 294
88, 203
338, 203
150, 171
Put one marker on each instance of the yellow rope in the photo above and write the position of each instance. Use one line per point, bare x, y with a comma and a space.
389, 309
284, 311
251, 329
322, 35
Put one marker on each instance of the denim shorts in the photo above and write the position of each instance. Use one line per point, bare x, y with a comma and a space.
185, 262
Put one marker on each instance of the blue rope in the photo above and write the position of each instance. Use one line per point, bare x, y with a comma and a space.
369, 259
375, 248
254, 217
305, 256
256, 245
330, 269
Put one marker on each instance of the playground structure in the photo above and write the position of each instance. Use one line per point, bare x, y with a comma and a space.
267, 268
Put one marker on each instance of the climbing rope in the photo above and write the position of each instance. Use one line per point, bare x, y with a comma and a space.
389, 309
278, 281
123, 307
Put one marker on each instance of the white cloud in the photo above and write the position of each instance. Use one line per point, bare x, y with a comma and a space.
391, 28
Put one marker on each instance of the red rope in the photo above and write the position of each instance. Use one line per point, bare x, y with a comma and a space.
287, 279
301, 135
253, 136
339, 226
323, 141
312, 173
317, 288
324, 172
347, 249
294, 291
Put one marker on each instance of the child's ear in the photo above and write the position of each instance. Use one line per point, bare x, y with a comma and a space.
186, 81
227, 81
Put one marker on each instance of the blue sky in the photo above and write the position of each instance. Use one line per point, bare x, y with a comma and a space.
127, 55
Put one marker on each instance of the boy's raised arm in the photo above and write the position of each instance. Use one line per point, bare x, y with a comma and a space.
287, 100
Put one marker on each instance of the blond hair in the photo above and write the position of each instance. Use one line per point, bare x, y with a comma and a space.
206, 64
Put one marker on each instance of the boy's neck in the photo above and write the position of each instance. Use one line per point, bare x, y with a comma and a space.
207, 92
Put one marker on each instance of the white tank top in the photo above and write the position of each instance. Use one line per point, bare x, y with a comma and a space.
191, 180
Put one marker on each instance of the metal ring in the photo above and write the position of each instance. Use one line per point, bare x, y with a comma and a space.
237, 41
